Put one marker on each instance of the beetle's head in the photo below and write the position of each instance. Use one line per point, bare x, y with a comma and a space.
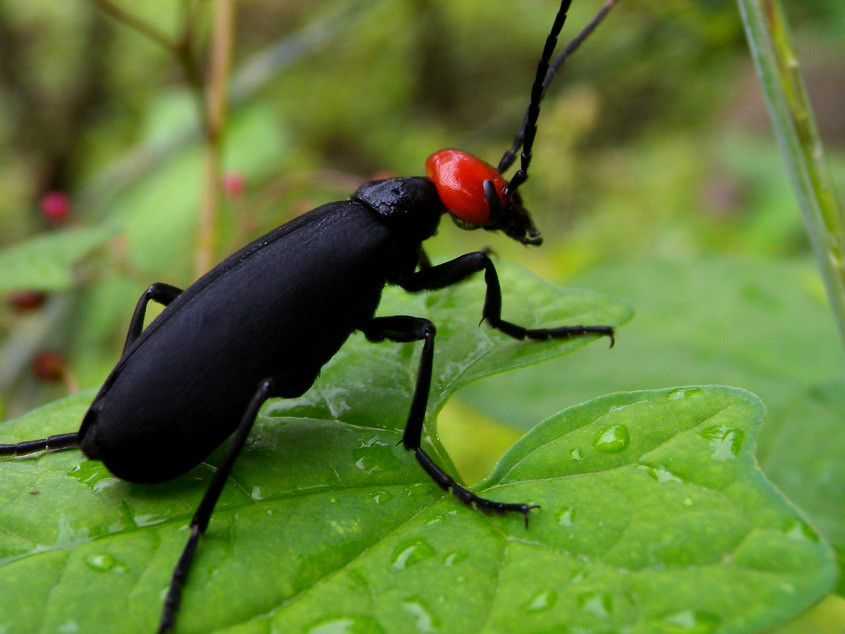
477, 197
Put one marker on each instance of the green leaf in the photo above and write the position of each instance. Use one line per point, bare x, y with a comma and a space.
331, 527
765, 326
46, 262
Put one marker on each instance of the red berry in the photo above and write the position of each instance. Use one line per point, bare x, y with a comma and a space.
56, 207
49, 366
234, 184
27, 300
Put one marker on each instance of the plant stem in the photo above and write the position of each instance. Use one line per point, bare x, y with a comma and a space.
216, 103
795, 127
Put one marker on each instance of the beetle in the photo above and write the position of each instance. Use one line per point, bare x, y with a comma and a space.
263, 322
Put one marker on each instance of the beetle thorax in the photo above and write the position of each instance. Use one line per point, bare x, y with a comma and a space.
410, 206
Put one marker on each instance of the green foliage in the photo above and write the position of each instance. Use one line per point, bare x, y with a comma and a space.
46, 263
330, 526
768, 331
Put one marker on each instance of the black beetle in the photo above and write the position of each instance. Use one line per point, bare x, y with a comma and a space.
264, 322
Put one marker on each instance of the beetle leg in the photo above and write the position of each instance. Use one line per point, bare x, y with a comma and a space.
158, 292
424, 262
203, 514
403, 329
460, 268
58, 442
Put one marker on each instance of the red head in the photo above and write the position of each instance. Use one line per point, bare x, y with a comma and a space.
476, 195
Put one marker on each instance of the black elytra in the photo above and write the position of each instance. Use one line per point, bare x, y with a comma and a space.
263, 322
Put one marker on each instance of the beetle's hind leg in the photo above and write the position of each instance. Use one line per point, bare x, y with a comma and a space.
157, 292
403, 329
59, 442
203, 514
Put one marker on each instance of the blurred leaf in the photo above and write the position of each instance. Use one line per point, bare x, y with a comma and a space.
45, 262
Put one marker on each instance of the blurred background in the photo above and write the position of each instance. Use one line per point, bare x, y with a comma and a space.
656, 179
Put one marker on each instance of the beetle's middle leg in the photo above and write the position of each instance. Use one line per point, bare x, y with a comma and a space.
404, 329
460, 268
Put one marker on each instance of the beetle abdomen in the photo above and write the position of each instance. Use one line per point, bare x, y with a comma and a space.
281, 308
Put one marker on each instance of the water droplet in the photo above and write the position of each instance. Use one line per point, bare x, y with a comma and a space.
598, 603
799, 530
435, 520
423, 621
375, 440
381, 497
565, 517
93, 474
661, 474
362, 464
68, 627
142, 521
689, 622
455, 558
617, 408
103, 562
612, 439
725, 442
579, 576
683, 392
346, 625
411, 553
256, 493
576, 455
541, 601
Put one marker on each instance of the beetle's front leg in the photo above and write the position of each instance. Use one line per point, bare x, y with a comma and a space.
404, 329
460, 268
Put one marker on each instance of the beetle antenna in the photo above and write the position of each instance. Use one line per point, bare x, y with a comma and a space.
546, 71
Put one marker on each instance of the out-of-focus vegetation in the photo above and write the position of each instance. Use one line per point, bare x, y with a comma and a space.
656, 179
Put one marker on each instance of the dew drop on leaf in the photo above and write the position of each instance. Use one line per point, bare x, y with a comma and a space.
101, 562
565, 517
612, 439
411, 553
799, 530
423, 621
682, 392
725, 442
455, 558
598, 603
93, 474
689, 622
381, 497
542, 601
346, 625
